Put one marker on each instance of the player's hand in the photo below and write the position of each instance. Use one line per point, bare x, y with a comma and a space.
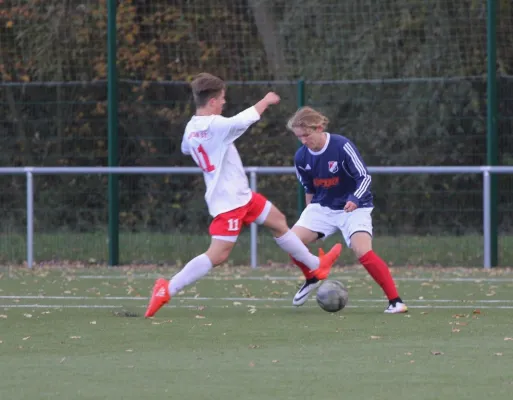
272, 98
350, 206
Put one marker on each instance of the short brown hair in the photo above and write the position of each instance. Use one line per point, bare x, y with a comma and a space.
307, 117
206, 86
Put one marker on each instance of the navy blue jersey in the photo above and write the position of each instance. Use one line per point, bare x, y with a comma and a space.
334, 174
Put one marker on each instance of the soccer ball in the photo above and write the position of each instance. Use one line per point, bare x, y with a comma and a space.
332, 296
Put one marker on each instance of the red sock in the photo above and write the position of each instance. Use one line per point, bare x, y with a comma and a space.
378, 269
307, 272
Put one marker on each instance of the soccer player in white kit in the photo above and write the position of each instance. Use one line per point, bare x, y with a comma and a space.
209, 139
338, 197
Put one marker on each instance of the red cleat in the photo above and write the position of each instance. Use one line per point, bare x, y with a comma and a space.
159, 297
326, 261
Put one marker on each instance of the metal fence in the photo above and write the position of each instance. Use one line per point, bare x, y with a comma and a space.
29, 172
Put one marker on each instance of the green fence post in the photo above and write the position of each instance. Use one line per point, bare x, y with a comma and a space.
491, 123
112, 122
300, 189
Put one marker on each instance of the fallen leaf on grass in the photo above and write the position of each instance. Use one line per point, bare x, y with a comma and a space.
3, 316
62, 360
237, 303
476, 312
375, 337
460, 316
252, 310
93, 322
163, 322
424, 313
436, 353
125, 313
508, 338
275, 361
207, 324
26, 338
129, 350
75, 337
27, 315
412, 361
408, 354
455, 330
251, 364
1, 342
498, 354
253, 346
200, 316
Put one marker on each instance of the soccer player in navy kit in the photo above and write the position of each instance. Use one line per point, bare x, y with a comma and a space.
338, 197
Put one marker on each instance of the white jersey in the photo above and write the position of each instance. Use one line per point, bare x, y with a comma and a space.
209, 141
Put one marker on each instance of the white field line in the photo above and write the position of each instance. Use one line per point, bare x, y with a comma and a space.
241, 299
295, 278
91, 306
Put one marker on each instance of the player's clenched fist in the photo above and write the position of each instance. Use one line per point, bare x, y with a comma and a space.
350, 206
272, 98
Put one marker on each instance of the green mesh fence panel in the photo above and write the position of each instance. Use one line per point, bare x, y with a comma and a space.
404, 79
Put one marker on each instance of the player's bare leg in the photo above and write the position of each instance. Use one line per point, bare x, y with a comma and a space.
198, 267
361, 244
289, 242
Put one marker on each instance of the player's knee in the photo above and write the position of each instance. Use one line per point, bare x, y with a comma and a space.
279, 226
281, 220
361, 243
218, 254
359, 252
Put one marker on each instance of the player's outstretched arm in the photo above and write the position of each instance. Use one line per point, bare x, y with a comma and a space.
235, 126
269, 99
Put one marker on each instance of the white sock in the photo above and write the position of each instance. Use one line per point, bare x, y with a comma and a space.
195, 269
297, 249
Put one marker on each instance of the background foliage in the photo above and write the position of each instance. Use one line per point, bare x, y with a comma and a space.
404, 79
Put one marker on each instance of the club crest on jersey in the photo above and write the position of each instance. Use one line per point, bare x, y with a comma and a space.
333, 166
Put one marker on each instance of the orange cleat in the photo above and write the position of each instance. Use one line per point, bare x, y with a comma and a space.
307, 272
326, 261
159, 297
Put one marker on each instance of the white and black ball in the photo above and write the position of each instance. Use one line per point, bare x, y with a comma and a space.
332, 296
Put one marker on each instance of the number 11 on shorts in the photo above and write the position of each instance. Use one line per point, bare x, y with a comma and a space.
233, 224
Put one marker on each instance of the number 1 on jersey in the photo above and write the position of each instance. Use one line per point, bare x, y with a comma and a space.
205, 164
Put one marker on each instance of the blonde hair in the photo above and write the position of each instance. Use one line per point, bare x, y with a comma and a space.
307, 117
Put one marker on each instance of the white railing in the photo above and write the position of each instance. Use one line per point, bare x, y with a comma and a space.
29, 172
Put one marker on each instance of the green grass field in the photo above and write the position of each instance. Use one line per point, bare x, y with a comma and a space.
142, 248
65, 334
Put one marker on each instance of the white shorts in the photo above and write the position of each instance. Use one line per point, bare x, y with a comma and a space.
327, 221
